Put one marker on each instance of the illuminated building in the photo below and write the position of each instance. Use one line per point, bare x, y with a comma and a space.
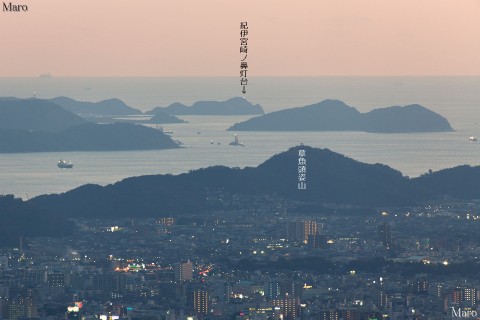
183, 271
199, 301
350, 314
291, 289
56, 281
421, 286
457, 296
73, 313
272, 290
20, 307
469, 296
382, 299
385, 234
14, 311
316, 241
109, 282
289, 307
464, 296
109, 317
300, 230
167, 222
228, 291
329, 315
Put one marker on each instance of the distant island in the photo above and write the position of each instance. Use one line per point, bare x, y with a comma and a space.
109, 107
335, 115
332, 180
34, 125
35, 115
87, 137
162, 117
234, 106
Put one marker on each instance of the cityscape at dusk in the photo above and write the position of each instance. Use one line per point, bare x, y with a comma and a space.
253, 160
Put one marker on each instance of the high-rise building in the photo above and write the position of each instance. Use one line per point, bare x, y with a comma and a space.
227, 291
464, 296
272, 290
300, 230
421, 286
199, 301
56, 281
349, 314
17, 308
385, 234
15, 311
456, 295
382, 299
291, 289
289, 307
108, 282
183, 271
316, 241
329, 315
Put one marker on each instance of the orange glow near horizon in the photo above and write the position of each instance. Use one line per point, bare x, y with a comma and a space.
200, 38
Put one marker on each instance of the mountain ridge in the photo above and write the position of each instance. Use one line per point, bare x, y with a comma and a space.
331, 179
108, 107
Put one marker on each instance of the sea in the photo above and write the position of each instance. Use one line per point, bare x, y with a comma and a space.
205, 141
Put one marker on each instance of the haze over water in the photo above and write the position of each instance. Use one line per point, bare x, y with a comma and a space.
456, 98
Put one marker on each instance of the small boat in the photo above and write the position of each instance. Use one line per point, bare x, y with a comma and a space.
472, 138
211, 142
64, 164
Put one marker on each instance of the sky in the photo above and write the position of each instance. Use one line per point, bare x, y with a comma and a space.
108, 38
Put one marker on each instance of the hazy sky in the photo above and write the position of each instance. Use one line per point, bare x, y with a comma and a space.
201, 38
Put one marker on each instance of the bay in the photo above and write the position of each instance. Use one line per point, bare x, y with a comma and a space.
457, 98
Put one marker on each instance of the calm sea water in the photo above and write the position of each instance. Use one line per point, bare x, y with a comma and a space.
456, 98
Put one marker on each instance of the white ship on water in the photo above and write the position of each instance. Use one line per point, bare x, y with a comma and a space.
472, 139
235, 142
64, 164
160, 128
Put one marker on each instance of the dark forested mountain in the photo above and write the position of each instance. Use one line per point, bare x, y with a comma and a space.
35, 115
334, 115
331, 179
109, 107
234, 106
87, 137
22, 219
